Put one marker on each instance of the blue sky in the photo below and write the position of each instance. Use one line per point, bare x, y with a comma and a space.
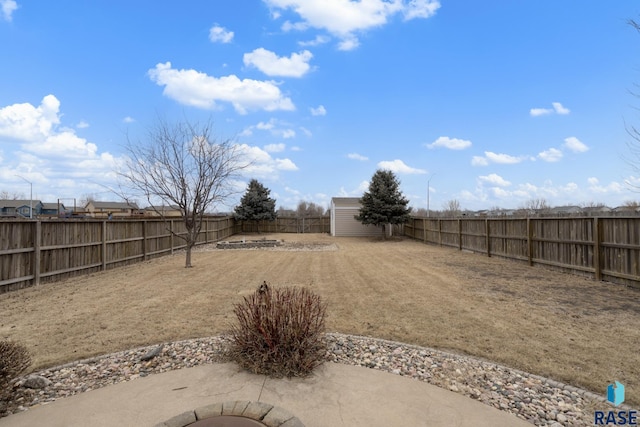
493, 103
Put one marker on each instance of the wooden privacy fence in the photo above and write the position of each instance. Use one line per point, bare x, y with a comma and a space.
604, 248
34, 252
287, 225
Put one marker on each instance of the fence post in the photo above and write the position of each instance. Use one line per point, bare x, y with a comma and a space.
424, 229
439, 232
459, 234
596, 248
486, 226
171, 235
104, 245
144, 239
37, 240
529, 241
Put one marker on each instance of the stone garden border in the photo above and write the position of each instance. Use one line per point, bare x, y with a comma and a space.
269, 415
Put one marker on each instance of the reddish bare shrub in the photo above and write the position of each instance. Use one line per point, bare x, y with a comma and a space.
279, 332
14, 360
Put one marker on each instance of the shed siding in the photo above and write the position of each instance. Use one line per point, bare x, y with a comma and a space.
343, 223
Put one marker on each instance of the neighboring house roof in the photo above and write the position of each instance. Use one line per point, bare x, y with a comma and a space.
17, 203
566, 209
113, 205
162, 208
52, 206
625, 208
597, 209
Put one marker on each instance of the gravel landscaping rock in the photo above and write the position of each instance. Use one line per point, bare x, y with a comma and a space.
541, 401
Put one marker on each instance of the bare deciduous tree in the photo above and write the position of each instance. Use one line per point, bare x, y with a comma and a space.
634, 145
5, 195
452, 207
309, 209
537, 205
183, 165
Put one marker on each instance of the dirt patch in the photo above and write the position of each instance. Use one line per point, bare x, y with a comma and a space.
557, 325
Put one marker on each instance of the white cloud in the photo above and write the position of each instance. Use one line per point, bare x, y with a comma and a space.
319, 40
399, 166
220, 34
297, 65
51, 156
551, 155
266, 125
535, 112
297, 26
348, 43
8, 7
292, 191
356, 156
574, 144
358, 191
479, 161
491, 157
273, 126
319, 111
306, 131
82, 125
287, 133
196, 89
274, 148
286, 165
450, 143
262, 165
128, 119
504, 159
494, 179
26, 122
557, 108
611, 188
63, 144
345, 18
420, 9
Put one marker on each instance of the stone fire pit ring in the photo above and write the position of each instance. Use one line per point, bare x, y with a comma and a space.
239, 413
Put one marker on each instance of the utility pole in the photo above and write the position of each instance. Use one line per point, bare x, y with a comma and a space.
30, 195
428, 192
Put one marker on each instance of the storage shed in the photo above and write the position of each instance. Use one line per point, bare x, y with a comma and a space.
343, 210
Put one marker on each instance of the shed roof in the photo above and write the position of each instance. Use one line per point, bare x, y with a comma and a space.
346, 201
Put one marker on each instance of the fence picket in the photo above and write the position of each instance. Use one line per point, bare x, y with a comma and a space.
604, 248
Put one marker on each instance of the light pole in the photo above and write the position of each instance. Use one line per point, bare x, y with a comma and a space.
30, 195
428, 191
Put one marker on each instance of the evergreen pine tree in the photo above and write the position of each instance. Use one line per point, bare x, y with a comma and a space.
256, 205
384, 203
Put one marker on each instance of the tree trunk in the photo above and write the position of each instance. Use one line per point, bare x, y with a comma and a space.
187, 261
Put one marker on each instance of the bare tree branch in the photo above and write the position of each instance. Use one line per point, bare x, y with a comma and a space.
183, 165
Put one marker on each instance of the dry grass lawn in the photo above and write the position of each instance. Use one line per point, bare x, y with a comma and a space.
557, 325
